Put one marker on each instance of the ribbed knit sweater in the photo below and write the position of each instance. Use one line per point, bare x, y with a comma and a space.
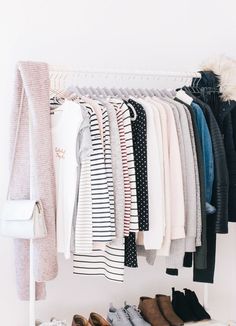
33, 172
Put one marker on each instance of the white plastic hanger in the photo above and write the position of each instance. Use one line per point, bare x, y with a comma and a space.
80, 91
130, 92
149, 92
167, 93
182, 96
156, 92
136, 92
87, 92
125, 94
83, 91
162, 93
101, 92
116, 92
94, 92
134, 111
143, 92
107, 91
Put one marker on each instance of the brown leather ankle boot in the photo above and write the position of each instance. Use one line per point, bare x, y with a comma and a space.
80, 321
97, 320
167, 310
151, 312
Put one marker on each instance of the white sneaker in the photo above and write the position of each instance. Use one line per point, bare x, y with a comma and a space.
53, 322
118, 317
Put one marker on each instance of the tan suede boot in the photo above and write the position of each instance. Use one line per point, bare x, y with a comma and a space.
80, 321
97, 320
167, 310
151, 312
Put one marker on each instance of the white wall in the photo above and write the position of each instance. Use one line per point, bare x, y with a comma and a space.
109, 34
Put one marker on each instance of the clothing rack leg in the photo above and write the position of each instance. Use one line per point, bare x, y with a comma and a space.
205, 296
32, 287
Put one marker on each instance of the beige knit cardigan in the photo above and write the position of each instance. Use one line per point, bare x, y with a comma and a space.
33, 173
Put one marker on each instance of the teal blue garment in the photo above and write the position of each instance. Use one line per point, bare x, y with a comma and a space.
207, 151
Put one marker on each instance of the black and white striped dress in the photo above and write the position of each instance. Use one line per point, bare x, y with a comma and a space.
108, 262
124, 121
108, 164
123, 116
101, 211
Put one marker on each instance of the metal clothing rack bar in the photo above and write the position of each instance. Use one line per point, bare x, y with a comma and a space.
138, 73
60, 75
32, 288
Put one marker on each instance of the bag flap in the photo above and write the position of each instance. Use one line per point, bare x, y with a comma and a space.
17, 210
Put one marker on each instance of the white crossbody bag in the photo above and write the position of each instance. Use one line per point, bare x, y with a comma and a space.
22, 219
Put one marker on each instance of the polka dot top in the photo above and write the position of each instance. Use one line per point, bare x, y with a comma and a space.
139, 130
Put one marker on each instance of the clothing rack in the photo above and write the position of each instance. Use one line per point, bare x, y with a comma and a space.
132, 74
61, 77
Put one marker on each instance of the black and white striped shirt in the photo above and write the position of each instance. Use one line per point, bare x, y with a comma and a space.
101, 208
124, 114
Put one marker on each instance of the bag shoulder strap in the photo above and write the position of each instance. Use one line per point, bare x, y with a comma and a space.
15, 141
